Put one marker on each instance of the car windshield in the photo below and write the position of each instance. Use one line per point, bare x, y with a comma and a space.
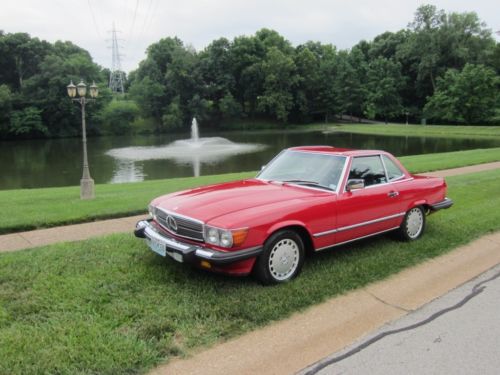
306, 168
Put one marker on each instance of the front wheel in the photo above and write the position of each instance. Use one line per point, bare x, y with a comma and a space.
413, 224
281, 259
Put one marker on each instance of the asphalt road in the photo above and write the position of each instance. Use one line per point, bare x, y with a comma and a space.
458, 333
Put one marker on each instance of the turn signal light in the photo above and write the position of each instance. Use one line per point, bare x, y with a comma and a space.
239, 236
205, 264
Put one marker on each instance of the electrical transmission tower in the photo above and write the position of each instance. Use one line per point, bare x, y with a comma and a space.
116, 77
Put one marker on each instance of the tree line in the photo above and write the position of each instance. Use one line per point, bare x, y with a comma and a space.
444, 67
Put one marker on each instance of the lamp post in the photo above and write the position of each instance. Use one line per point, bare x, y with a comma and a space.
86, 183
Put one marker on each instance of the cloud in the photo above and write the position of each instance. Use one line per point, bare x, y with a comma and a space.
198, 22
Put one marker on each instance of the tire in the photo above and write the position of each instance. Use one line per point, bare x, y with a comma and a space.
413, 224
282, 258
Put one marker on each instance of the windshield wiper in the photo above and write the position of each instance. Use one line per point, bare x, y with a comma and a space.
307, 183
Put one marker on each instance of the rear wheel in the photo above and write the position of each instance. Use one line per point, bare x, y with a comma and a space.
413, 224
281, 259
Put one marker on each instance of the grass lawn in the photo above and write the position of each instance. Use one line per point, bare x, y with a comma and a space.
40, 208
111, 306
419, 130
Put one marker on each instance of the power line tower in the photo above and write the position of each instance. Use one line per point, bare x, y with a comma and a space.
116, 77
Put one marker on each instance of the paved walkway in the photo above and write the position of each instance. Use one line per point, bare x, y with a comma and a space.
78, 232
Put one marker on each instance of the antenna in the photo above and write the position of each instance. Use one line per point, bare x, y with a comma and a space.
116, 77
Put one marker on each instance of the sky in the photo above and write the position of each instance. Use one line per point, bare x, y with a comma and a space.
140, 23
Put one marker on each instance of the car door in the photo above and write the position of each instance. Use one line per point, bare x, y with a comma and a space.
369, 210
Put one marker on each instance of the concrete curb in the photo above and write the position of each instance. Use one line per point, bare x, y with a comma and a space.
290, 345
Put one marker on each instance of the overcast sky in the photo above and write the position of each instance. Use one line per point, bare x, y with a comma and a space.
197, 22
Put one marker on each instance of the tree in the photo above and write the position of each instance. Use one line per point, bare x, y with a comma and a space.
384, 81
5, 108
469, 96
280, 79
27, 122
118, 116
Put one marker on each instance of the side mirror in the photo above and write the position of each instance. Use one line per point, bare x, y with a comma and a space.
355, 183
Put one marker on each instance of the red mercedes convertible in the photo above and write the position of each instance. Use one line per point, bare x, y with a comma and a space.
306, 199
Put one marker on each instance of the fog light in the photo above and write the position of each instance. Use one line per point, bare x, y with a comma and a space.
205, 264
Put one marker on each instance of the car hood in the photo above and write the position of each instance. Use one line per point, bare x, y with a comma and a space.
209, 202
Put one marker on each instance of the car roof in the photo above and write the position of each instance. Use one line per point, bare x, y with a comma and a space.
336, 150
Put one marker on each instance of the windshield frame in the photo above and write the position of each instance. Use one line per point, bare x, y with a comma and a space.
322, 188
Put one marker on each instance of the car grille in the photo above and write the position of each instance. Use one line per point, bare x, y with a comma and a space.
186, 227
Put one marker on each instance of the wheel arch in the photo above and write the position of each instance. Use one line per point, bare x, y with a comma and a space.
425, 205
300, 229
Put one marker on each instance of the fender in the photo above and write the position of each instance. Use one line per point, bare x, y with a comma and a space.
420, 202
284, 224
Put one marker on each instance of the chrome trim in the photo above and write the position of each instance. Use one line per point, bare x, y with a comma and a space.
325, 233
204, 253
385, 167
349, 227
311, 187
149, 232
342, 175
181, 216
355, 239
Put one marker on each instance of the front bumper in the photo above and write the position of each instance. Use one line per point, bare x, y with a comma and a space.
189, 253
446, 203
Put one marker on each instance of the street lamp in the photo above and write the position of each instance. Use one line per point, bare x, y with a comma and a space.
86, 183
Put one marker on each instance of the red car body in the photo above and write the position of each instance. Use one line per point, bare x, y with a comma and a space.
257, 209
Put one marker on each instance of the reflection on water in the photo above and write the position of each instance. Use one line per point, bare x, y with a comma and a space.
40, 163
193, 152
127, 171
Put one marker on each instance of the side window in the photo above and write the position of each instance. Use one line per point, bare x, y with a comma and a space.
393, 171
368, 168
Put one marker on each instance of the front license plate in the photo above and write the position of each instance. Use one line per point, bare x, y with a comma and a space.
157, 247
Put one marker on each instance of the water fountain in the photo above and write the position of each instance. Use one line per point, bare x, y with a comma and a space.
194, 151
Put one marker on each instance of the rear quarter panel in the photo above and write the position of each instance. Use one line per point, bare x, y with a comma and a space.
422, 190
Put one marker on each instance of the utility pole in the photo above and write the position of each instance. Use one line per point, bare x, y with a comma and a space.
116, 76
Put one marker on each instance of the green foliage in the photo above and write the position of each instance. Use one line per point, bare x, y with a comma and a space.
118, 116
173, 119
384, 81
5, 108
281, 78
36, 74
262, 77
229, 107
27, 122
469, 96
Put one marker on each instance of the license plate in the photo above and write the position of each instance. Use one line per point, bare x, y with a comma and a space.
157, 247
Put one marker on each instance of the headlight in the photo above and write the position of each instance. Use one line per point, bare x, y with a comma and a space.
212, 236
225, 237
151, 210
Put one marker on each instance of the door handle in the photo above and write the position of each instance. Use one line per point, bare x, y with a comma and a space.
392, 194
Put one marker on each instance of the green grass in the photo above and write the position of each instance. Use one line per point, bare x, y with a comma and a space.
455, 159
47, 207
111, 306
41, 208
419, 130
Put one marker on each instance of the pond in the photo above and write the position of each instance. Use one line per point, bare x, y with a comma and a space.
43, 163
